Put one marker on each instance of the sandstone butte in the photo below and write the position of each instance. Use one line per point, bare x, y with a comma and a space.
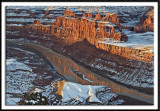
93, 28
146, 22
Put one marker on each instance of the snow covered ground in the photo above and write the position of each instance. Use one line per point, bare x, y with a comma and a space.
20, 77
24, 72
130, 14
30, 20
15, 14
78, 93
74, 90
19, 82
143, 41
137, 76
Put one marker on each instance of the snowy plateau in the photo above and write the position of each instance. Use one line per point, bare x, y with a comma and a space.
92, 45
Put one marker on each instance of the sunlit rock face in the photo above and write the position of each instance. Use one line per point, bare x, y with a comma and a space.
104, 41
74, 93
146, 22
74, 24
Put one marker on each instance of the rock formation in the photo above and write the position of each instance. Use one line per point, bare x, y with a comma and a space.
146, 22
92, 28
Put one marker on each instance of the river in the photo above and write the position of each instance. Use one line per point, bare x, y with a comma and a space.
76, 73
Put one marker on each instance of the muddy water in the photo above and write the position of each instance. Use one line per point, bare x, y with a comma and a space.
77, 73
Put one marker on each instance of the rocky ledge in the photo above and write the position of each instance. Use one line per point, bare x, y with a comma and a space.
77, 35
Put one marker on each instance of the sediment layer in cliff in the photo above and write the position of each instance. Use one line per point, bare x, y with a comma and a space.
107, 64
93, 27
146, 22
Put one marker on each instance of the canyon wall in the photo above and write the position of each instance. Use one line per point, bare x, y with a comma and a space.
86, 27
146, 22
64, 65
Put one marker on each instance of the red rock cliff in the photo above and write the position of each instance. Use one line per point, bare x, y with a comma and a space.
146, 22
77, 29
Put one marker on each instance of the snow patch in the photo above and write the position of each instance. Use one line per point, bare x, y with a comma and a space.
88, 93
142, 41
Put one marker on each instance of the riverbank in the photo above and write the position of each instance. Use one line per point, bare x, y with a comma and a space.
116, 68
26, 71
19, 54
40, 47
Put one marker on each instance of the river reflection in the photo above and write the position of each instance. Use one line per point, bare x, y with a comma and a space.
64, 64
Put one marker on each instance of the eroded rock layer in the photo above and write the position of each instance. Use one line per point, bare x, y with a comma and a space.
146, 22
74, 27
